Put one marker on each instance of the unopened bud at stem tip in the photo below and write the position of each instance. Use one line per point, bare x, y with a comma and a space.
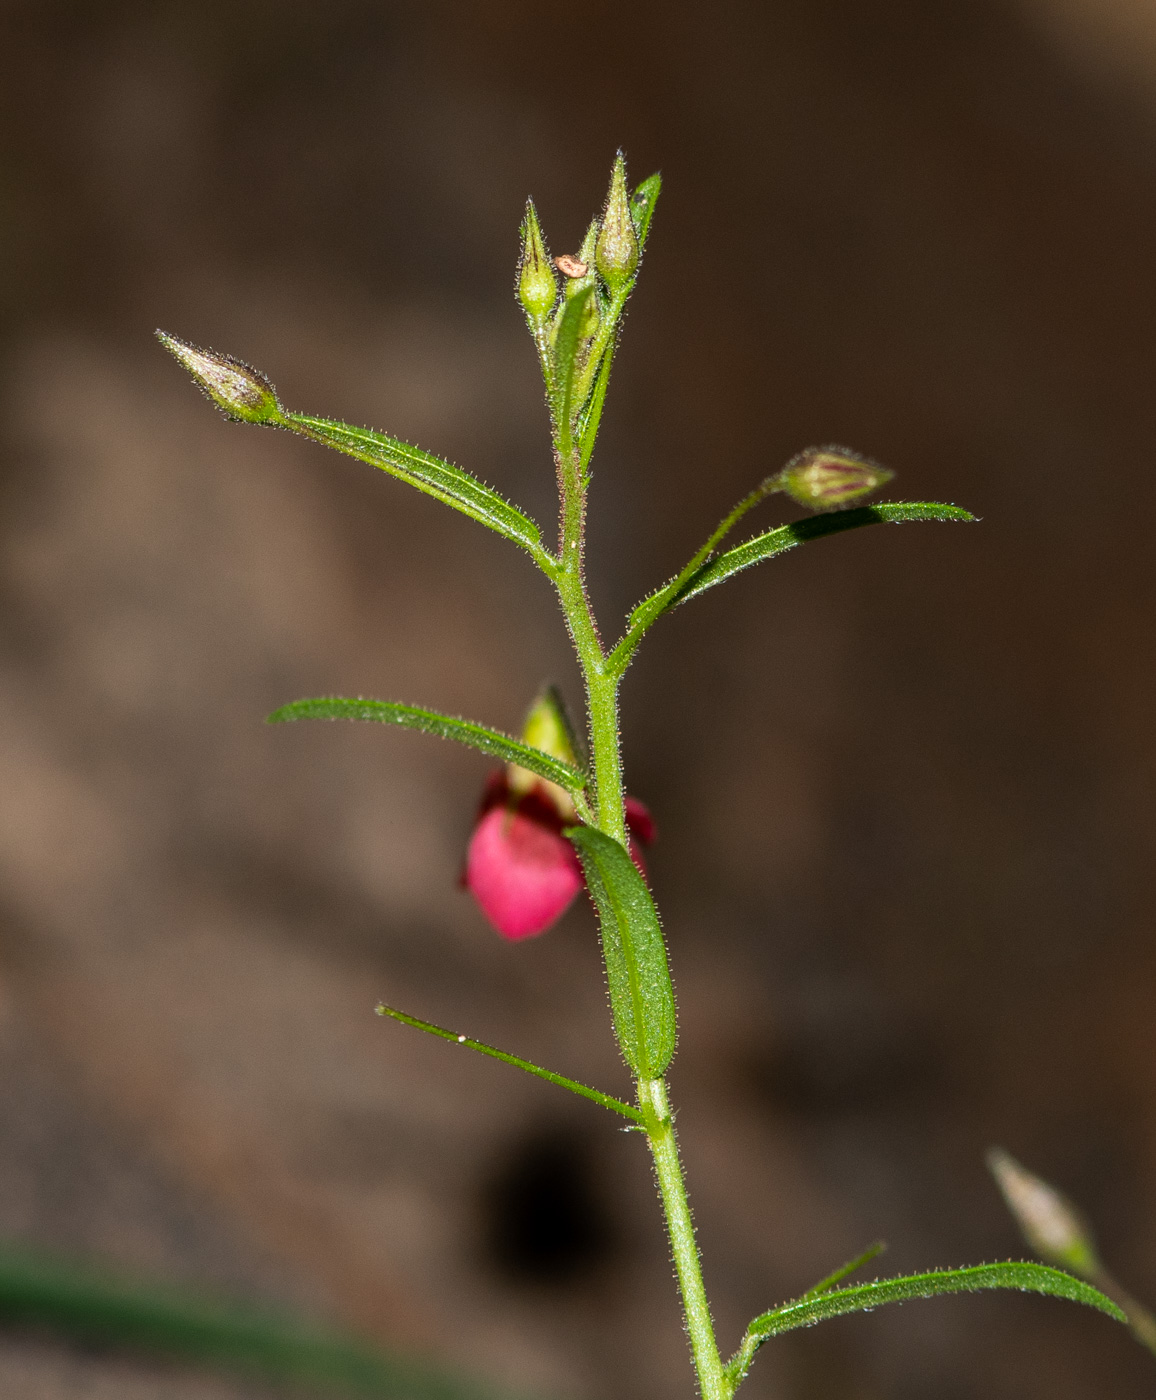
616, 252
537, 288
241, 392
825, 478
1050, 1224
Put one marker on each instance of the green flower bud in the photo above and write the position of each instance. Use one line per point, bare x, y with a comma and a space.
548, 728
537, 288
824, 478
1050, 1224
241, 392
616, 252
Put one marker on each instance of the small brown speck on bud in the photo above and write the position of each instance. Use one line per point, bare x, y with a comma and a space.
570, 266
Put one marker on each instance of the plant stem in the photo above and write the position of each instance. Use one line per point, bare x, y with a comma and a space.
602, 681
1140, 1320
712, 1379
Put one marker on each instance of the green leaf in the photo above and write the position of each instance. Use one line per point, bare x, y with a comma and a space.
566, 358
641, 995
851, 1266
91, 1306
606, 1100
430, 474
812, 1308
591, 415
642, 203
477, 736
786, 537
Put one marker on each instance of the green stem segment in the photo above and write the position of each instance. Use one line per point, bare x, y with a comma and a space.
712, 1378
601, 681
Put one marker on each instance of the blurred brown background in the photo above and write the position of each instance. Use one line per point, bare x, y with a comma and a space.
903, 779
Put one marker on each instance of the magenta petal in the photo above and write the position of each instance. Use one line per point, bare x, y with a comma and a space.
639, 822
522, 874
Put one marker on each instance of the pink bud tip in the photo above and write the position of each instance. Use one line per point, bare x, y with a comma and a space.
523, 873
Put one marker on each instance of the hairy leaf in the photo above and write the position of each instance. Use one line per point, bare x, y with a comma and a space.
851, 1266
477, 736
812, 1308
641, 995
428, 473
591, 415
606, 1100
566, 357
642, 203
778, 541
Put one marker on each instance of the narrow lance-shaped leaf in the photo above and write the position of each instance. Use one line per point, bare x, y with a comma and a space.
476, 736
591, 415
1028, 1278
246, 395
642, 203
567, 346
785, 537
440, 479
844, 1270
596, 1095
641, 995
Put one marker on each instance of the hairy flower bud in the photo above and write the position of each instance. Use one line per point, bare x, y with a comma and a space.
537, 287
824, 478
548, 728
241, 392
1050, 1224
616, 252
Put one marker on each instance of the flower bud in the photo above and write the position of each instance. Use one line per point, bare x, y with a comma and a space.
537, 289
824, 478
1050, 1224
616, 252
241, 392
548, 728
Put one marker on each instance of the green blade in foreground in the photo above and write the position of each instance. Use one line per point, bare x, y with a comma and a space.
87, 1305
476, 736
428, 473
595, 1095
641, 995
566, 347
1028, 1278
786, 537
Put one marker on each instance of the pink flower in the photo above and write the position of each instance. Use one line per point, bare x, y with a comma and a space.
519, 867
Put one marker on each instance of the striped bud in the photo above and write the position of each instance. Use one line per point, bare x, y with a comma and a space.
825, 478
